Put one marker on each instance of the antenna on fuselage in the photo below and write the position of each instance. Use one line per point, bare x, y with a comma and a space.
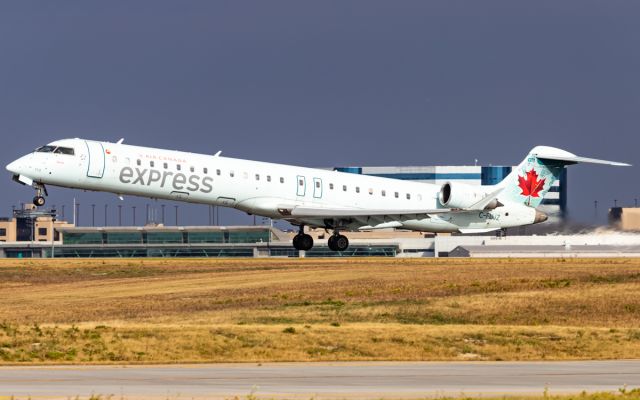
218, 153
120, 141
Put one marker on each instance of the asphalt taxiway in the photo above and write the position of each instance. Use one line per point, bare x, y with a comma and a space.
320, 380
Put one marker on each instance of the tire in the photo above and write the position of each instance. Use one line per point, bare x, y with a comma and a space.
305, 242
39, 201
341, 243
332, 243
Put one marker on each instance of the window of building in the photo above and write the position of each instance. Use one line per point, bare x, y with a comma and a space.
257, 177
218, 172
281, 180
42, 231
3, 232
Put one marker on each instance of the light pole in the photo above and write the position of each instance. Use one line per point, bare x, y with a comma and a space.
162, 206
120, 214
105, 214
134, 215
147, 218
176, 215
93, 215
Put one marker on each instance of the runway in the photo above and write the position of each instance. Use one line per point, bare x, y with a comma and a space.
320, 380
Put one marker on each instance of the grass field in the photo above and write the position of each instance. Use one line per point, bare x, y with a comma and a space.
204, 310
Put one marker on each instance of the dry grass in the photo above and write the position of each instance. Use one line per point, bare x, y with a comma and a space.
167, 310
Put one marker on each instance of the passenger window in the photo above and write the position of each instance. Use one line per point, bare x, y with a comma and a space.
331, 186
318, 184
397, 195
178, 167
166, 165
138, 162
344, 188
384, 193
231, 173
192, 169
205, 170
151, 163
218, 172
268, 178
281, 180
357, 189
370, 191
257, 177
301, 182
408, 196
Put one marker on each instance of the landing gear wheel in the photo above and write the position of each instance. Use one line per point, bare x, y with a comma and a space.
338, 243
38, 201
302, 241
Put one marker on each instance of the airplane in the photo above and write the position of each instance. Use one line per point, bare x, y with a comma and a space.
317, 198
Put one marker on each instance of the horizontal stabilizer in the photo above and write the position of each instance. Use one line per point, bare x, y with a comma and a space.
552, 153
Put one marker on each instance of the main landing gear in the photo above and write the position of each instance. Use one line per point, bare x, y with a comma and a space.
303, 241
39, 200
338, 242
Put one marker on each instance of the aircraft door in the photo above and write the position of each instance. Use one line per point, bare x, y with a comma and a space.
96, 162
301, 183
317, 188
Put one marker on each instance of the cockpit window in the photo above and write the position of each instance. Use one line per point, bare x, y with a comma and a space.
46, 149
64, 150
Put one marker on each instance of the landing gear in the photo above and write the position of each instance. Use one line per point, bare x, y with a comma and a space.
302, 241
338, 242
39, 200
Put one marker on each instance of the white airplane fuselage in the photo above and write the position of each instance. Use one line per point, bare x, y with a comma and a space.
303, 196
255, 187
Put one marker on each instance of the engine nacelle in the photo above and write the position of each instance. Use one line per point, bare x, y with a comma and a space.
459, 195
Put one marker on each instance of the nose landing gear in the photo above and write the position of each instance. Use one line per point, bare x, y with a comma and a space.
39, 199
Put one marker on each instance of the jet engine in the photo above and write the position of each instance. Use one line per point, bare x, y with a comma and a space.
458, 195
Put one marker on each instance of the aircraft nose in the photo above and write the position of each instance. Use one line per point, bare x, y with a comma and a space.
13, 167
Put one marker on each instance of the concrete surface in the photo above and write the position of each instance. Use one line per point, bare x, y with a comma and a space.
319, 380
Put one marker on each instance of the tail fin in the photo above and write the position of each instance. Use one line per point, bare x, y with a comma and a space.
531, 180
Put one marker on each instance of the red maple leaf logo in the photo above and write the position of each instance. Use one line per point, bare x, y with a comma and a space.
530, 186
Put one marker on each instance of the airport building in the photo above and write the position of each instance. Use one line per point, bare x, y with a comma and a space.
554, 203
625, 218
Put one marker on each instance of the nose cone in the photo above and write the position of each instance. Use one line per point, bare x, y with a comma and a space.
13, 167
540, 217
